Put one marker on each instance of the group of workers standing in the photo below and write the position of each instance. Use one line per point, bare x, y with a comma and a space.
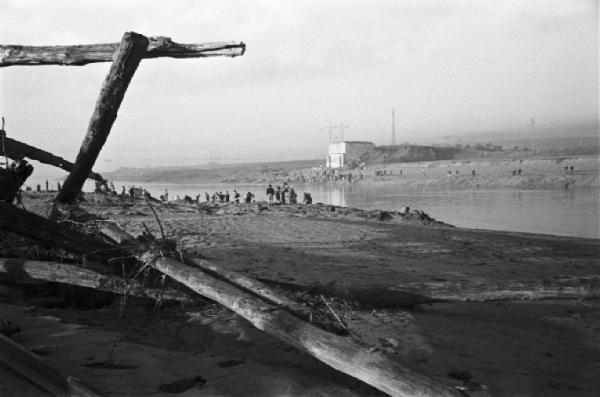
285, 194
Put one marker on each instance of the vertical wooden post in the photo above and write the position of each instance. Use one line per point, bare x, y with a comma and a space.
125, 62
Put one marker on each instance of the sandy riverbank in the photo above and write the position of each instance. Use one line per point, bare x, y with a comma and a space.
513, 348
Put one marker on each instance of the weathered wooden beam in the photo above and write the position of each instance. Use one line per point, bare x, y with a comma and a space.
54, 234
565, 287
24, 270
341, 353
39, 372
18, 150
254, 286
77, 55
126, 60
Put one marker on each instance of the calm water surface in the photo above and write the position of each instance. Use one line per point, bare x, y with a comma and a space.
567, 213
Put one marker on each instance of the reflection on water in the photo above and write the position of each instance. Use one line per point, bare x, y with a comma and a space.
560, 212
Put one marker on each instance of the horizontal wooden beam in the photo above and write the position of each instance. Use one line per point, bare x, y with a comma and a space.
17, 150
77, 55
565, 287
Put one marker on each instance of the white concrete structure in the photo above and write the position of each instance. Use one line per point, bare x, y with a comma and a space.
342, 154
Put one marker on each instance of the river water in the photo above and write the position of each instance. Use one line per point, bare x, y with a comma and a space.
558, 212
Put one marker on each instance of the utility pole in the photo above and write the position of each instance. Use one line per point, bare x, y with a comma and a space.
341, 126
329, 130
336, 136
393, 127
531, 125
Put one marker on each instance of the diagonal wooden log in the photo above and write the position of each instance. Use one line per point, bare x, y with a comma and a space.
77, 55
39, 372
54, 234
25, 270
17, 150
126, 60
341, 353
120, 236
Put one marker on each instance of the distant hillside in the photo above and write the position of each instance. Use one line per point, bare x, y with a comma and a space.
209, 172
408, 153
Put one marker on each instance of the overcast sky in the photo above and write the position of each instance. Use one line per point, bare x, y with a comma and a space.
445, 66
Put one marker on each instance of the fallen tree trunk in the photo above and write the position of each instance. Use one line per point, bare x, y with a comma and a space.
54, 234
255, 286
18, 150
37, 371
567, 287
24, 270
77, 55
341, 353
126, 60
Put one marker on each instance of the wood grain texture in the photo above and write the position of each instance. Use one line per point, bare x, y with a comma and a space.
127, 58
78, 55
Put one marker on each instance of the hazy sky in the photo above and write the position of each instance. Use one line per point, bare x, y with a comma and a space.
445, 66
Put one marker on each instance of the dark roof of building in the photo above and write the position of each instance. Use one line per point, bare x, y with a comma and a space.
367, 142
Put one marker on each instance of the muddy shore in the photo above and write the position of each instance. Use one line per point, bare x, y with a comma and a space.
504, 348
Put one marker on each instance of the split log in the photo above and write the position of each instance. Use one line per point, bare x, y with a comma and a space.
24, 270
254, 286
37, 371
566, 287
126, 60
341, 353
54, 234
77, 55
18, 150
12, 179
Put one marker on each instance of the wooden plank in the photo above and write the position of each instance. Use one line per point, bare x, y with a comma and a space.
23, 270
126, 60
77, 55
560, 287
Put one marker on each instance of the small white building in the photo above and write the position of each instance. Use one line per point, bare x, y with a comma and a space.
343, 153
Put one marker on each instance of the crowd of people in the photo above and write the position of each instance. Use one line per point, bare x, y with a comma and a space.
281, 195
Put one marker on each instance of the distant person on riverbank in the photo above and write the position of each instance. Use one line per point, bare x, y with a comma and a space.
227, 196
293, 196
236, 196
284, 190
207, 197
307, 198
473, 173
278, 194
270, 194
248, 198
